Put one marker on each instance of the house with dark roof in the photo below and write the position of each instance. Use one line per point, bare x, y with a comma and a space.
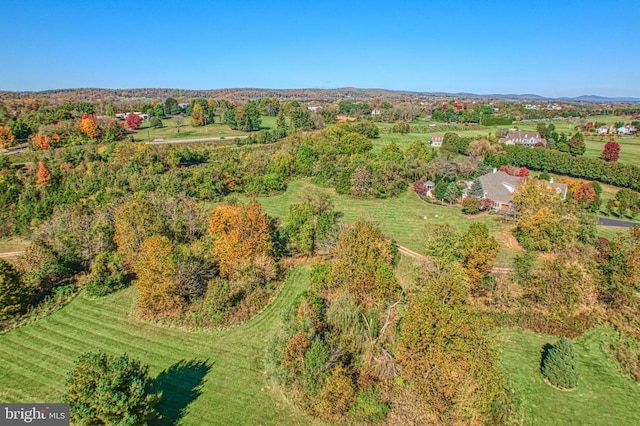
499, 187
523, 137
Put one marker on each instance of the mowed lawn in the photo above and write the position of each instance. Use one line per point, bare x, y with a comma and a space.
207, 378
169, 130
604, 395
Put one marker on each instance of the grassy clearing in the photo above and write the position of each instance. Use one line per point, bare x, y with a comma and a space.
213, 377
187, 131
604, 394
402, 218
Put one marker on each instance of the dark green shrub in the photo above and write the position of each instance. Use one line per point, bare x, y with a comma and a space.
107, 274
559, 365
368, 408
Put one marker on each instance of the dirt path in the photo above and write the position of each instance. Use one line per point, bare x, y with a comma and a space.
413, 254
11, 254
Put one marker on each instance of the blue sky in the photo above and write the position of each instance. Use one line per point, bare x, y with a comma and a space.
550, 48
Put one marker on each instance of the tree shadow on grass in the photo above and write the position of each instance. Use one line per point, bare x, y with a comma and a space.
181, 384
544, 354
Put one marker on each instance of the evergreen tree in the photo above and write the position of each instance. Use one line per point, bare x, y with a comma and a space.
14, 295
104, 389
559, 365
476, 190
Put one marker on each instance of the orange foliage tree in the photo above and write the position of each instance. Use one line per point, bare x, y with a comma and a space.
44, 175
156, 282
88, 126
240, 233
6, 137
41, 141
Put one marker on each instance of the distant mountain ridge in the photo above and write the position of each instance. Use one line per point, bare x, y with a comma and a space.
308, 94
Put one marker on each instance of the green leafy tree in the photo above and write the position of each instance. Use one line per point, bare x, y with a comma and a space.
171, 106
559, 365
392, 153
310, 224
104, 389
110, 110
401, 127
301, 119
281, 121
576, 144
443, 242
14, 294
155, 122
107, 274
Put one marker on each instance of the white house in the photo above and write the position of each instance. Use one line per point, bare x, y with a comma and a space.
436, 140
523, 137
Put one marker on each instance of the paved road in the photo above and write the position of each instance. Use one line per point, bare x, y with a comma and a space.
174, 141
604, 221
15, 151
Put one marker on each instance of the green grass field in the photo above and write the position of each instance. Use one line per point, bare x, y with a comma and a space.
218, 377
213, 378
604, 395
187, 131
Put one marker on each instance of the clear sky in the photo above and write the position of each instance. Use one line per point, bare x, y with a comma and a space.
551, 48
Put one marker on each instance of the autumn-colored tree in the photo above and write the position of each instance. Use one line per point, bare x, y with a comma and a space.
41, 141
88, 126
479, 254
556, 285
360, 253
585, 196
447, 355
611, 151
619, 261
197, 116
135, 222
134, 121
534, 194
6, 137
155, 270
523, 172
43, 174
239, 232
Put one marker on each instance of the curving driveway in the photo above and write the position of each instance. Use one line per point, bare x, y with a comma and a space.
605, 221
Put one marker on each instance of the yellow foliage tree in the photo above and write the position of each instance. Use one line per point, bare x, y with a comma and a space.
6, 137
156, 282
240, 233
89, 127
